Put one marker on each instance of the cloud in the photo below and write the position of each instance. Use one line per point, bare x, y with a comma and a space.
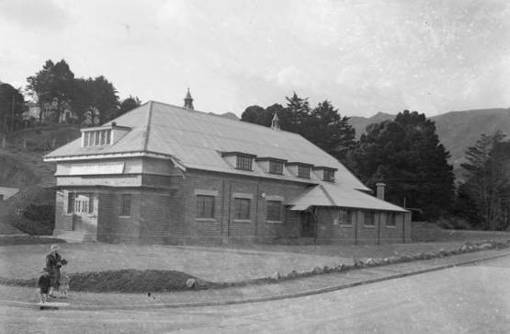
33, 14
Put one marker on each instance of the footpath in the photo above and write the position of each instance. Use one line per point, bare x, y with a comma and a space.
27, 297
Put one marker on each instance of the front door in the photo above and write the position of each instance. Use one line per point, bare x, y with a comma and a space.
308, 229
85, 210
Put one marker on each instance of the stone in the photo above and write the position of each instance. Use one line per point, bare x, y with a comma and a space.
276, 276
317, 270
190, 283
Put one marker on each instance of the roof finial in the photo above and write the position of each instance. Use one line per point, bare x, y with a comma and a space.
275, 122
188, 101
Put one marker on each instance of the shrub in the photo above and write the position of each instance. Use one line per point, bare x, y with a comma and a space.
32, 210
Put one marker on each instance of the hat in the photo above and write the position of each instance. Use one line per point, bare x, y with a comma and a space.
54, 247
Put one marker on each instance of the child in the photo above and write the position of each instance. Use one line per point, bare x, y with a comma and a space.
64, 284
44, 286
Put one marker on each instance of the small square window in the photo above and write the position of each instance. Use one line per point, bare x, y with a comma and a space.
304, 172
391, 219
125, 205
344, 217
369, 218
275, 167
328, 175
244, 162
274, 210
205, 206
242, 208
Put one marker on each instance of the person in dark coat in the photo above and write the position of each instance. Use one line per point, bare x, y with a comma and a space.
44, 285
54, 262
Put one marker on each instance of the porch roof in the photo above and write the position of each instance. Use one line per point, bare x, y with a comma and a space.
331, 195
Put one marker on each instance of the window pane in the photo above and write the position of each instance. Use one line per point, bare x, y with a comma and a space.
244, 162
125, 208
345, 217
96, 138
242, 208
102, 137
108, 135
369, 218
304, 172
205, 206
329, 175
391, 219
275, 167
274, 210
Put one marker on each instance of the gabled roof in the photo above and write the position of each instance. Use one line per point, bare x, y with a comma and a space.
196, 140
333, 196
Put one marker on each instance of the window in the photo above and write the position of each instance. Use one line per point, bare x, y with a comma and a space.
96, 138
344, 217
1, 197
70, 203
391, 219
244, 162
275, 167
304, 171
108, 136
369, 218
242, 208
125, 205
205, 206
274, 211
329, 175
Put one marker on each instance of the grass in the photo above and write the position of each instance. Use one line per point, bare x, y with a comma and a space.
126, 280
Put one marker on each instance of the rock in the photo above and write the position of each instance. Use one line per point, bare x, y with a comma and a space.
326, 269
276, 276
317, 270
190, 283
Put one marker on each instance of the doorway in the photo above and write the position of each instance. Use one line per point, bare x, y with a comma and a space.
308, 225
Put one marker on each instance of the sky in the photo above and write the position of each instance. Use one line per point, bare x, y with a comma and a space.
364, 56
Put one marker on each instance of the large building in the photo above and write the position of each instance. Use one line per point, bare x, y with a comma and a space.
168, 174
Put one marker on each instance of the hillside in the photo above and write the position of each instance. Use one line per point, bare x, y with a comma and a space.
21, 162
457, 130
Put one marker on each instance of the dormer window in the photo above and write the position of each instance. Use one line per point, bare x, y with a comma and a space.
97, 137
300, 169
325, 173
244, 162
102, 135
239, 160
276, 167
303, 171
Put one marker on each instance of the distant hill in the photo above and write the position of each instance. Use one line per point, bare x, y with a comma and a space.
457, 130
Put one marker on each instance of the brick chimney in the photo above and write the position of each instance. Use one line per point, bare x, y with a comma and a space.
380, 190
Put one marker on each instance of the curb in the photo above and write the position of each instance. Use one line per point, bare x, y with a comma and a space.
262, 299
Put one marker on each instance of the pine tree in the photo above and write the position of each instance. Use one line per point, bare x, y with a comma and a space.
487, 184
407, 155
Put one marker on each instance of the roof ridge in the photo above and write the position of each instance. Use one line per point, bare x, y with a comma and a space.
147, 127
218, 116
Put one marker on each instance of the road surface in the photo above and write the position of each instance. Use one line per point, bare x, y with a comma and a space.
467, 299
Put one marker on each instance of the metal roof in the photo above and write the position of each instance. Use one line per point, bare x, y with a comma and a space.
334, 196
196, 140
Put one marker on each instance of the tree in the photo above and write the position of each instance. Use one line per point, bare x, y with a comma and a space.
12, 106
58, 91
487, 186
52, 86
406, 154
128, 104
257, 115
323, 125
330, 131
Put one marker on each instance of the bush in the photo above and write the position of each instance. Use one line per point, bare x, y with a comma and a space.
32, 210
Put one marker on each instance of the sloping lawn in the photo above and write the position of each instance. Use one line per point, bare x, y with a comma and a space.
211, 264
